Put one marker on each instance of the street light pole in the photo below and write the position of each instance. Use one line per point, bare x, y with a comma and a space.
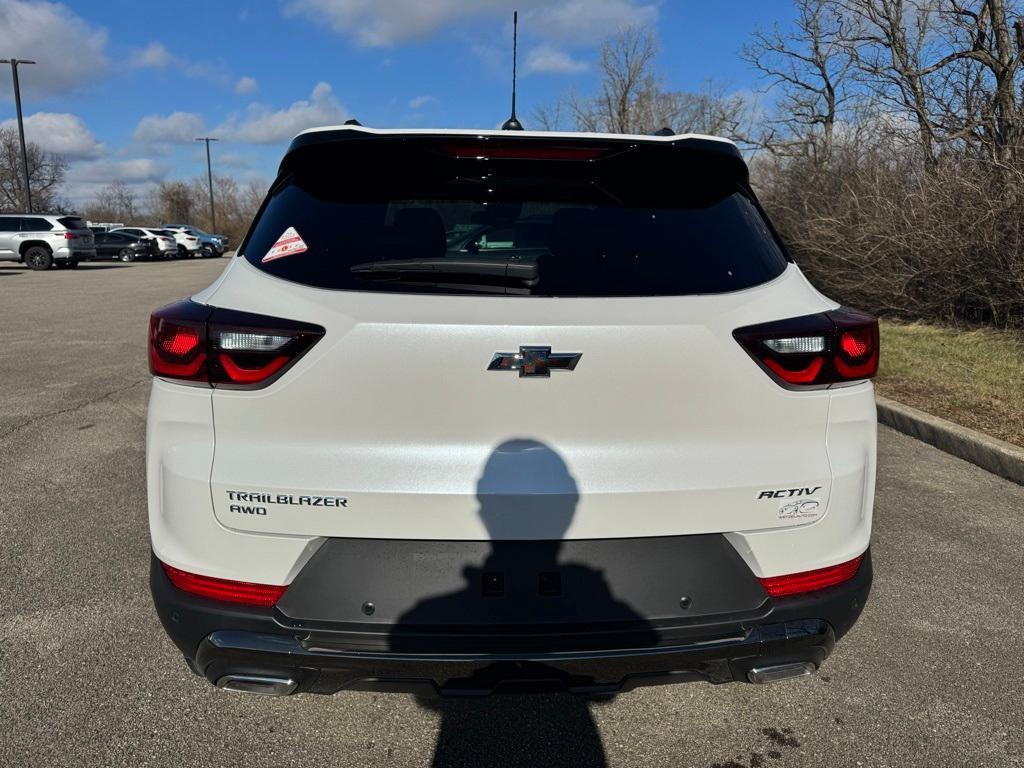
21, 124
209, 179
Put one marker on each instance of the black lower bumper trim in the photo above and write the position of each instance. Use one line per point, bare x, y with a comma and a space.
219, 639
718, 661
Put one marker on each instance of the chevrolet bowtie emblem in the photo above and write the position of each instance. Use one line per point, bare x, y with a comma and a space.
534, 361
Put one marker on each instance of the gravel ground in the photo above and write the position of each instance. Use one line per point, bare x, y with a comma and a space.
930, 676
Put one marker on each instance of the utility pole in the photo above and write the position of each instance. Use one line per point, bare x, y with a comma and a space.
209, 179
21, 124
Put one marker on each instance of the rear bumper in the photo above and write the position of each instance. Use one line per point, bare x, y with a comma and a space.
221, 640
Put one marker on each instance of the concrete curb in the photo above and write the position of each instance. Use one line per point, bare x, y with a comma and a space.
996, 456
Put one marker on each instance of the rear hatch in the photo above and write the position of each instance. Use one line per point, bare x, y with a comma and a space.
569, 372
81, 237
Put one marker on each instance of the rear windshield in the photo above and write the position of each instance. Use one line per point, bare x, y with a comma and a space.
419, 221
72, 222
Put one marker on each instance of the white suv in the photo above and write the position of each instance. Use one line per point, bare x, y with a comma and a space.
631, 444
42, 240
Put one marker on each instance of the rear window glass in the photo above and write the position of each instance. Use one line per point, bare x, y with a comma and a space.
72, 222
513, 228
35, 224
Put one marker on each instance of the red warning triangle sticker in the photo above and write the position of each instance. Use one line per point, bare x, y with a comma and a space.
288, 244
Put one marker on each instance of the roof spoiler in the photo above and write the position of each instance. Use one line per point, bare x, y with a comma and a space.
356, 133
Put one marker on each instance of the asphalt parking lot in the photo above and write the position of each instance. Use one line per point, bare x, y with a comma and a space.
932, 675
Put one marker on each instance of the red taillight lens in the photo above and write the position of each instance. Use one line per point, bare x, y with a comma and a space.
815, 351
808, 581
226, 590
177, 342
225, 348
857, 350
803, 374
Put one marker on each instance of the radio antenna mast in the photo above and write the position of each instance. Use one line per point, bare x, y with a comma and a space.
513, 124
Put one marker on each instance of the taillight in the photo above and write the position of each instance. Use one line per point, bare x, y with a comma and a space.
223, 347
809, 581
815, 351
70, 236
226, 590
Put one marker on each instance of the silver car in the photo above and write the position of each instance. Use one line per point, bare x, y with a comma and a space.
41, 240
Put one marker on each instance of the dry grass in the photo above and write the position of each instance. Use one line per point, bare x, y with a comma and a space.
974, 378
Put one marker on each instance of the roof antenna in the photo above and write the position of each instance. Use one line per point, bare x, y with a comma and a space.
513, 124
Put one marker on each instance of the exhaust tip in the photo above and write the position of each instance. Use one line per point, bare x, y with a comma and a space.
775, 672
260, 685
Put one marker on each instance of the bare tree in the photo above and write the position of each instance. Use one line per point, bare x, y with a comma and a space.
172, 201
954, 67
810, 65
46, 174
114, 203
633, 99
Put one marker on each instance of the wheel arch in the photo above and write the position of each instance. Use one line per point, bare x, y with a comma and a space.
30, 243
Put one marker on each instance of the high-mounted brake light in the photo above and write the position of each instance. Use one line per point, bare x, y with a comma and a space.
523, 151
809, 581
815, 351
225, 348
226, 590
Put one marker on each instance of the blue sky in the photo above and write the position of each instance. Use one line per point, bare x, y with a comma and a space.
122, 87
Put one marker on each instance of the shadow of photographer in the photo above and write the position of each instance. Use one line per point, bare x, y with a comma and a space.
525, 492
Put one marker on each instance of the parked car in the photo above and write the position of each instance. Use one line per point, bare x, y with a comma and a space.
212, 245
376, 463
122, 246
104, 226
164, 246
189, 245
41, 240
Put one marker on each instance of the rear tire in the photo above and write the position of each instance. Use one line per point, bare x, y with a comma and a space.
182, 252
126, 255
38, 258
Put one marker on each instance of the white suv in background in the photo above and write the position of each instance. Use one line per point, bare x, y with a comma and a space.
188, 244
42, 240
630, 445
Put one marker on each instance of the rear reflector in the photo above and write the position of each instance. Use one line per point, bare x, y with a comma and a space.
815, 351
224, 348
226, 590
809, 581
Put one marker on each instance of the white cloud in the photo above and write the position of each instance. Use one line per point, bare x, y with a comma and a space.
175, 128
260, 124
68, 52
105, 170
59, 132
246, 85
419, 102
586, 22
375, 23
547, 59
154, 56
84, 180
